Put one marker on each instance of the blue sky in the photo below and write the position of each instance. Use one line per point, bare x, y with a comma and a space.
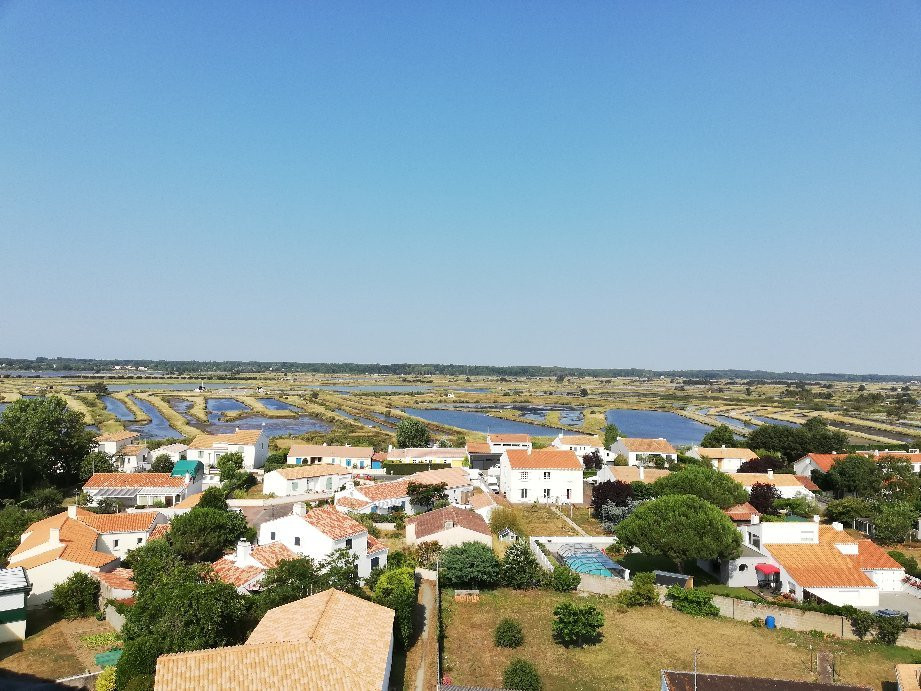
603, 184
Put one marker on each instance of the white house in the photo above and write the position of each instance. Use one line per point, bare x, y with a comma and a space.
393, 495
824, 461
330, 640
251, 443
245, 567
133, 458
78, 540
809, 560
306, 479
435, 454
546, 475
448, 527
174, 451
581, 444
641, 451
789, 486
500, 442
14, 591
354, 458
319, 532
112, 442
724, 458
141, 489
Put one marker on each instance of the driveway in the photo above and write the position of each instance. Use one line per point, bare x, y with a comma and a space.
903, 602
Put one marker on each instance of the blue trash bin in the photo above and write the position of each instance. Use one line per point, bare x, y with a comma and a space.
769, 622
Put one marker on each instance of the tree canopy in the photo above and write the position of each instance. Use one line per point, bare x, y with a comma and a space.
681, 527
721, 435
42, 443
425, 494
412, 434
814, 436
709, 484
162, 464
610, 433
396, 589
204, 534
854, 474
470, 565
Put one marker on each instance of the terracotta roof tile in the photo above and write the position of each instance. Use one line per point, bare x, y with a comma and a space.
117, 436
509, 438
134, 522
271, 554
452, 477
631, 473
481, 500
778, 479
133, 480
119, 579
807, 482
725, 452
375, 546
741, 512
160, 530
321, 451
580, 440
819, 566
437, 521
639, 445
334, 524
132, 450
351, 503
543, 459
433, 453
478, 447
242, 437
299, 472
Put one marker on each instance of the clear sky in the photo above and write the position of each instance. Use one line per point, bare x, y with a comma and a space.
601, 184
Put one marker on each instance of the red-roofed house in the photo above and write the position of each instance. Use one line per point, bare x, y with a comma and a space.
824, 461
319, 532
140, 489
393, 495
246, 566
547, 476
448, 527
78, 540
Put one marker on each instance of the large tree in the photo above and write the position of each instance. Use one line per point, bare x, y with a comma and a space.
709, 484
204, 534
470, 565
610, 491
519, 567
854, 474
41, 443
815, 436
426, 495
721, 435
412, 434
162, 464
229, 464
894, 521
681, 527
610, 433
96, 462
763, 496
900, 481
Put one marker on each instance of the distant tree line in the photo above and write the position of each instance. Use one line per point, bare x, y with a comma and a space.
88, 365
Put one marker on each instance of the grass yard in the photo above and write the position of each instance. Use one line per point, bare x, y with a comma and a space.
638, 643
582, 517
53, 649
541, 520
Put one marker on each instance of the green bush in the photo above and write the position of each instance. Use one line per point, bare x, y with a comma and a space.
505, 518
106, 680
564, 580
888, 629
519, 567
509, 634
213, 498
577, 625
396, 589
910, 564
470, 565
642, 593
138, 660
698, 603
521, 675
77, 596
862, 623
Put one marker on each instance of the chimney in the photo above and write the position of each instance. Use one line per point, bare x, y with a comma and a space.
756, 519
642, 472
449, 525
770, 473
837, 526
244, 553
816, 518
54, 536
72, 511
299, 509
723, 446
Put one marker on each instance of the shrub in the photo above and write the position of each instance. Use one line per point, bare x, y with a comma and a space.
577, 625
888, 629
758, 623
509, 634
504, 518
862, 623
427, 553
77, 596
470, 565
138, 660
698, 603
520, 569
642, 593
910, 564
106, 680
213, 498
396, 589
521, 675
564, 579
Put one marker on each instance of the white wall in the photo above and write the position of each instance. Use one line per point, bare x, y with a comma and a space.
46, 576
314, 543
457, 535
856, 597
888, 580
275, 483
538, 482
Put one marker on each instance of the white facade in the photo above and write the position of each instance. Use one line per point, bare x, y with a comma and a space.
639, 453
500, 442
133, 459
301, 537
174, 451
525, 484
113, 443
723, 459
579, 444
355, 458
253, 445
449, 537
276, 483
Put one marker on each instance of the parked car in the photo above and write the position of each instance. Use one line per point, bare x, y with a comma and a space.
892, 613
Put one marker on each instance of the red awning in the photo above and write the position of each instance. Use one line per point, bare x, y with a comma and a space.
766, 568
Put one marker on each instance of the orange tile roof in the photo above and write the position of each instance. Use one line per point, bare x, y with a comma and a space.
271, 554
334, 524
117, 436
321, 451
580, 440
778, 479
452, 477
375, 546
807, 482
118, 579
132, 450
242, 437
741, 512
725, 452
819, 566
190, 502
299, 472
481, 500
631, 473
639, 445
351, 503
432, 522
135, 522
872, 556
268, 556
160, 530
478, 447
509, 438
825, 461
133, 480
543, 459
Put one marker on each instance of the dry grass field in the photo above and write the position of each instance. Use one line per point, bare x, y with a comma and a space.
638, 643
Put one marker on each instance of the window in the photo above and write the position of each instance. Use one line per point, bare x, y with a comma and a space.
523, 475
546, 474
375, 562
569, 494
348, 543
743, 567
271, 536
546, 492
115, 543
293, 485
524, 494
298, 461
297, 542
756, 541
140, 540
